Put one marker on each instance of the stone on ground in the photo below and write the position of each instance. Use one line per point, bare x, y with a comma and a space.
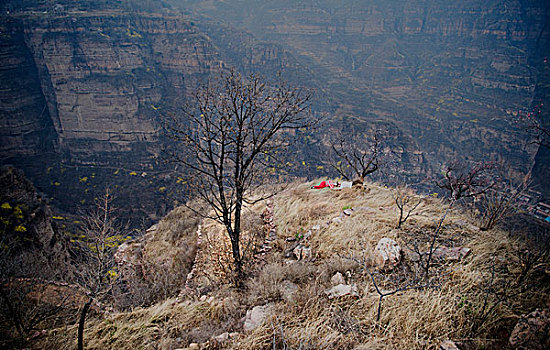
256, 317
342, 290
532, 331
337, 279
387, 254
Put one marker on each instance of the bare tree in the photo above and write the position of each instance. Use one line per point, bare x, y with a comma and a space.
97, 274
499, 203
228, 138
539, 129
28, 301
463, 181
405, 202
388, 285
356, 157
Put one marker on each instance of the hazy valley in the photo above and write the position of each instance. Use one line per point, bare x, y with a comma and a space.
88, 89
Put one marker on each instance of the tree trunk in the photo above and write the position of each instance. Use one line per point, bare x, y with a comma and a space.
81, 324
235, 240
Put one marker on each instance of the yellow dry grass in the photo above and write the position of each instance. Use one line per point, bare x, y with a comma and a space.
412, 319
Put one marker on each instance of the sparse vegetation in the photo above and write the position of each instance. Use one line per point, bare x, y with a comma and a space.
468, 301
406, 203
354, 157
97, 271
228, 137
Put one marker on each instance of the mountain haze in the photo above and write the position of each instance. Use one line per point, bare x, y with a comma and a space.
86, 84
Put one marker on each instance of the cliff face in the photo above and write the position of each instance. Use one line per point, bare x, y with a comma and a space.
82, 87
25, 124
453, 75
104, 75
84, 83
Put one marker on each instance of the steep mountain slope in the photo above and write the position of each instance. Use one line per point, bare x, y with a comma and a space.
452, 75
290, 298
86, 84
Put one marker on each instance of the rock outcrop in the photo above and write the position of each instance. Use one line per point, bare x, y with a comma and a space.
31, 241
256, 317
532, 331
387, 254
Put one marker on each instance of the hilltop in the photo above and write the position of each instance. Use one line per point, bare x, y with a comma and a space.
311, 266
86, 84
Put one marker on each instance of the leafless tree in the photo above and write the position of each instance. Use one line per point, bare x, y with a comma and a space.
499, 203
229, 137
28, 300
97, 274
463, 181
388, 285
355, 157
540, 131
405, 202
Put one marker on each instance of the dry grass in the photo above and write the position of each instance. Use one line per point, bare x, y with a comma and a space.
412, 319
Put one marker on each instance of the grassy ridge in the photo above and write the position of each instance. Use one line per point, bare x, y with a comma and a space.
475, 302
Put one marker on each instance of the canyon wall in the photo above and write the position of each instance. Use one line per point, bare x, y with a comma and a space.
452, 75
85, 84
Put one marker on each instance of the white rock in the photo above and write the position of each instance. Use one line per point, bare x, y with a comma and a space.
255, 317
451, 254
337, 279
222, 337
448, 345
342, 290
288, 289
387, 253
302, 252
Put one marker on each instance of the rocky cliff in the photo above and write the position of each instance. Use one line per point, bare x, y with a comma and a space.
453, 75
103, 74
85, 84
30, 237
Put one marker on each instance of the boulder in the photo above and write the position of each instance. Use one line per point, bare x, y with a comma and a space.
221, 338
387, 254
289, 252
342, 290
152, 228
288, 290
532, 331
348, 212
256, 317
